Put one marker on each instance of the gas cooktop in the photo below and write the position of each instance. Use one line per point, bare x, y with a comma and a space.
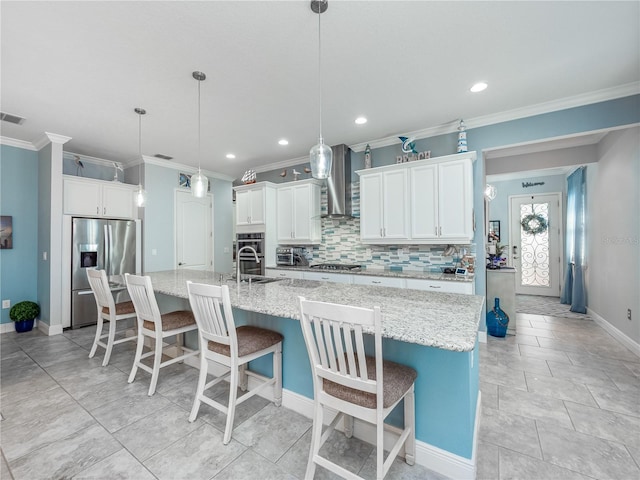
335, 266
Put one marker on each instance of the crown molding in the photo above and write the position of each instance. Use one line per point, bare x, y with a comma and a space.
48, 138
14, 142
282, 164
93, 160
185, 168
529, 111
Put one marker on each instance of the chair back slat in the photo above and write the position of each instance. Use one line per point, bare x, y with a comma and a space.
211, 306
101, 291
330, 332
143, 298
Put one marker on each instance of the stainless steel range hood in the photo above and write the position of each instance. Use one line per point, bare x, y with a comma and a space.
339, 184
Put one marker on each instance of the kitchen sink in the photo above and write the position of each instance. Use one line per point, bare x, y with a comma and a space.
258, 280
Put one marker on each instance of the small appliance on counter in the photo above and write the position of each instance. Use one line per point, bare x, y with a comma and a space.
291, 257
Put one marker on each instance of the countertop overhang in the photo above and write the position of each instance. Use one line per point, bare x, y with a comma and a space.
447, 321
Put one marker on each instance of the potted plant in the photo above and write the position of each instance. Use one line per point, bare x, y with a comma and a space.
23, 314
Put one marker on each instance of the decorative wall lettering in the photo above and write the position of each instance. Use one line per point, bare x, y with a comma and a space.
531, 184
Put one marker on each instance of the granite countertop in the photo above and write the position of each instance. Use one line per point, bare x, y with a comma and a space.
443, 320
384, 272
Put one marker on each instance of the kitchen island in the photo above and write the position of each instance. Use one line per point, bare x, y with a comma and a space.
434, 333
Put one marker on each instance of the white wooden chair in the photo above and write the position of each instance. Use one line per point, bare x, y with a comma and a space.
153, 324
108, 311
223, 343
355, 385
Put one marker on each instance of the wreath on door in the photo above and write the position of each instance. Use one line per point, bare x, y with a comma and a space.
534, 223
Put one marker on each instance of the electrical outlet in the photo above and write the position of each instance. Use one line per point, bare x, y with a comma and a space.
6, 303
628, 314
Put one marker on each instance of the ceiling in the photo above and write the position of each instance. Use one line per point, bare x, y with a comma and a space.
80, 68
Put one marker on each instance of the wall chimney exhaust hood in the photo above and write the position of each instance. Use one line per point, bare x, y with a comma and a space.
339, 184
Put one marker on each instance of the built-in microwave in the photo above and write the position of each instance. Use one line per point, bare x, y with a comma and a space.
290, 256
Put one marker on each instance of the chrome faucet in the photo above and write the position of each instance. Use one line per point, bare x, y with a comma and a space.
255, 254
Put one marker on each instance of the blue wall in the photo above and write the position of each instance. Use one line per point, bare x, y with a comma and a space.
19, 199
159, 216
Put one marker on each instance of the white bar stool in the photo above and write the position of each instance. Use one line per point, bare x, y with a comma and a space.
153, 324
234, 348
108, 311
347, 380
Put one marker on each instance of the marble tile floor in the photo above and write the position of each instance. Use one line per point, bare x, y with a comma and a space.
560, 400
65, 416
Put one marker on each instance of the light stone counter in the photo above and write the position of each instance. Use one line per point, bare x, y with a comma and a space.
443, 320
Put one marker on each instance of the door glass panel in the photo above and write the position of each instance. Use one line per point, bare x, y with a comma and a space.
534, 245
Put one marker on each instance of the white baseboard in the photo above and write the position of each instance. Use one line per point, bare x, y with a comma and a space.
49, 329
7, 327
482, 337
617, 334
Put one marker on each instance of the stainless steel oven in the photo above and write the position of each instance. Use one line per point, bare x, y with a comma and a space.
246, 258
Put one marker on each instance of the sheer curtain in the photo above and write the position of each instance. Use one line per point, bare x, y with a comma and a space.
573, 291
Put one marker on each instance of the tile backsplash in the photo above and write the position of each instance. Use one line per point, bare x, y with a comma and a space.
341, 244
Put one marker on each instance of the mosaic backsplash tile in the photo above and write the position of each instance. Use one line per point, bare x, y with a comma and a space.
341, 244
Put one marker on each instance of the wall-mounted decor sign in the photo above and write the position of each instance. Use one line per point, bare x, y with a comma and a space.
531, 184
6, 232
185, 181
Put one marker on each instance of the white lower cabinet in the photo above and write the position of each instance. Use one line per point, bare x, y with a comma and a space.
440, 286
327, 277
275, 273
378, 281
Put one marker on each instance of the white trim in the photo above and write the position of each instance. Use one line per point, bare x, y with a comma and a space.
628, 342
49, 329
7, 327
509, 115
14, 142
282, 164
94, 160
47, 138
180, 167
482, 336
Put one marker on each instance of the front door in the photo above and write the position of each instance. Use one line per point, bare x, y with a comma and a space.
535, 243
194, 240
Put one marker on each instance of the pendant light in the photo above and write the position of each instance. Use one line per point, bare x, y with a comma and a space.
199, 182
140, 197
320, 155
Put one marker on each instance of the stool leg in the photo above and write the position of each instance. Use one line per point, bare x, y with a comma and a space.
231, 409
244, 378
348, 426
110, 339
157, 359
410, 422
202, 380
97, 339
136, 359
316, 433
277, 373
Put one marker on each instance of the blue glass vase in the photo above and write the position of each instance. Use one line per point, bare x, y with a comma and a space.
497, 320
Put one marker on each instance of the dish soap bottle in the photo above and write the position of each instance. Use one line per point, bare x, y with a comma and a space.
497, 320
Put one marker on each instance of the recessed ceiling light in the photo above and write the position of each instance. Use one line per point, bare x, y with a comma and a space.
478, 87
283, 141
361, 120
230, 156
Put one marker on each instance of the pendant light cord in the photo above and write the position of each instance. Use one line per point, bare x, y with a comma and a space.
320, 71
140, 148
199, 126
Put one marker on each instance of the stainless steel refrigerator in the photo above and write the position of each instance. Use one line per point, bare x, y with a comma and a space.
111, 245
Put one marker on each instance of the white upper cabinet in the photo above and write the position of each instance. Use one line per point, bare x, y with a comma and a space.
442, 202
427, 201
298, 213
251, 203
96, 198
384, 212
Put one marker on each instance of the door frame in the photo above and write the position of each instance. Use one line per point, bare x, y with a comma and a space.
561, 200
211, 241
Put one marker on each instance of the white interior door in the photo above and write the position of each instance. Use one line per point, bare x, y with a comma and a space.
194, 239
535, 226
